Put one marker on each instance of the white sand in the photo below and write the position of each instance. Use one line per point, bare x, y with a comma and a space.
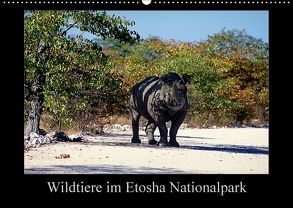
212, 151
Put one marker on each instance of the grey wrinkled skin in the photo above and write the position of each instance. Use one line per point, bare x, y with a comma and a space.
159, 100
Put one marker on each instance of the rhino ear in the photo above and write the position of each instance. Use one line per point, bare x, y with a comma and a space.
165, 78
186, 78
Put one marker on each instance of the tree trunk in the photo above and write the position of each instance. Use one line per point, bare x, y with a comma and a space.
33, 122
260, 113
36, 106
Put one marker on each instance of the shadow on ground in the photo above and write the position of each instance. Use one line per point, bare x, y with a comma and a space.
231, 149
102, 169
187, 142
156, 136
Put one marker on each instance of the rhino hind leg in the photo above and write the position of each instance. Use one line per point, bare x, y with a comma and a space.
150, 129
135, 126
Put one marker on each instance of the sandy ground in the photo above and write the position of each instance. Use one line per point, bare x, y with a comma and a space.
211, 151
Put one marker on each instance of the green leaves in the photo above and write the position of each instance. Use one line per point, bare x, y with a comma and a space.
73, 68
228, 71
82, 79
104, 26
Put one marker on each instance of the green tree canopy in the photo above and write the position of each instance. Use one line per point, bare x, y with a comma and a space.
229, 72
65, 74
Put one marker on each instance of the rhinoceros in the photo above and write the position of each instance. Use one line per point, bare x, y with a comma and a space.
159, 100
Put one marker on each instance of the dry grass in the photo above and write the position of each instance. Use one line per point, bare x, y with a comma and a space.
49, 124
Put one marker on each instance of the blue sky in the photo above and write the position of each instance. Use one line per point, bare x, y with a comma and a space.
193, 26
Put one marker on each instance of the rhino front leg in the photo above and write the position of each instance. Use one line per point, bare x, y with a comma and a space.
176, 122
150, 129
163, 133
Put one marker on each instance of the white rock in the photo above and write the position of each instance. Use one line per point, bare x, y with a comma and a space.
73, 136
36, 143
33, 135
183, 126
52, 134
125, 127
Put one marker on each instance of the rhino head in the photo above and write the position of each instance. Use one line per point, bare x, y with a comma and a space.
173, 91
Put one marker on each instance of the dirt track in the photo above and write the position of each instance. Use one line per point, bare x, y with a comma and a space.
212, 151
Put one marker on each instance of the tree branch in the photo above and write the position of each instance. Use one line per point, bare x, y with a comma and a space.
71, 26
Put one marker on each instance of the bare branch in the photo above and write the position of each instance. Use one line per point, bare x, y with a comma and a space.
71, 26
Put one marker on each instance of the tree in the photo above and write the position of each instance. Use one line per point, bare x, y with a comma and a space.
63, 72
244, 67
229, 73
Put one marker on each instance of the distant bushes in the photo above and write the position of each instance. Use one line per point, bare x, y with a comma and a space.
230, 83
229, 74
